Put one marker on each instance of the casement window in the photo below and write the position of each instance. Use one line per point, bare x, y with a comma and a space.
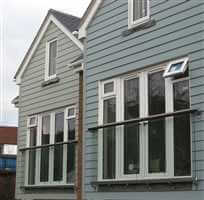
138, 12
51, 55
149, 149
53, 160
176, 67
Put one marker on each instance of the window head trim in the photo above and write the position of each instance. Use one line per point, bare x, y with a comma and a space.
47, 61
182, 69
133, 23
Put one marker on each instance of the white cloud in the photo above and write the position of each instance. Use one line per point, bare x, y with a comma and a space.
22, 18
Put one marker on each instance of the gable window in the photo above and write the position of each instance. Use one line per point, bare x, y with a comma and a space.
138, 12
154, 148
51, 55
52, 162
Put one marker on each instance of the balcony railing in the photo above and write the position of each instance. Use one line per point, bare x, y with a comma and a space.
144, 119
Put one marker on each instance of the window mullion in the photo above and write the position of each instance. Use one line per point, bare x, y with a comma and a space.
52, 135
38, 151
65, 147
27, 157
100, 135
144, 128
169, 128
119, 113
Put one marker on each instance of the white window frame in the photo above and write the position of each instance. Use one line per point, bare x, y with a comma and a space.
67, 118
131, 22
47, 61
103, 97
119, 95
184, 66
108, 94
38, 124
67, 112
29, 126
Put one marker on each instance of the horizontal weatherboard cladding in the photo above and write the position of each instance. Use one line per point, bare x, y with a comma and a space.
36, 99
179, 32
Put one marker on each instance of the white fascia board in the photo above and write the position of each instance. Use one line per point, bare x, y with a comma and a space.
67, 32
51, 18
83, 28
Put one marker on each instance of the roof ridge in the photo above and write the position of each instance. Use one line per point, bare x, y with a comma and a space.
61, 12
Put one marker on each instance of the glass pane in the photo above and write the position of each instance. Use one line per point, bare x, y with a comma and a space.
45, 130
32, 121
32, 156
108, 87
58, 163
182, 146
52, 58
58, 150
33, 136
131, 98
156, 84
71, 112
31, 167
59, 127
182, 136
71, 163
109, 115
139, 9
131, 132
131, 149
44, 165
71, 129
181, 95
176, 67
156, 143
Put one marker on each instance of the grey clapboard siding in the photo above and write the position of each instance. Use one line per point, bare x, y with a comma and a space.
37, 99
179, 31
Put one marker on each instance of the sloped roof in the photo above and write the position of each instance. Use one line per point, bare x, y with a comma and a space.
69, 21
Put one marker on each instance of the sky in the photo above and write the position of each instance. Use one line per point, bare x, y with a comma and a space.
19, 23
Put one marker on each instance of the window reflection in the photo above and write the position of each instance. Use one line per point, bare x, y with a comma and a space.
58, 150
156, 130
44, 164
131, 131
109, 139
182, 136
